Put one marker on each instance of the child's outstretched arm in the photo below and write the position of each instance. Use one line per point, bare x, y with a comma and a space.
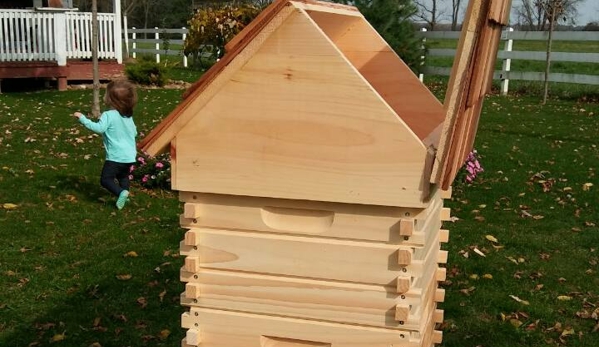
98, 127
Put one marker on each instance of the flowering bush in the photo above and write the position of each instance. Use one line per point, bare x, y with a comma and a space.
152, 172
472, 166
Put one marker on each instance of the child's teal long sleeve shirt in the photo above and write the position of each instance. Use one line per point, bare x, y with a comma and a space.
118, 134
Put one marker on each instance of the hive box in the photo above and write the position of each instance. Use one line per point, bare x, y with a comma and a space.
305, 160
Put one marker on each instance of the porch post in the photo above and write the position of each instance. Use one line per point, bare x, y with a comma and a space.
118, 32
60, 38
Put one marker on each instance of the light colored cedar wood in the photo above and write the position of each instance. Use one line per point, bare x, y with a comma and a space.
215, 328
416, 286
421, 300
446, 194
191, 211
421, 313
441, 274
442, 258
404, 257
239, 41
321, 6
322, 219
426, 318
294, 255
470, 81
404, 283
210, 82
444, 236
432, 223
437, 336
385, 71
349, 303
250, 37
192, 264
438, 316
406, 227
298, 121
173, 152
440, 295
402, 312
192, 337
426, 277
191, 238
413, 316
445, 214
192, 290
350, 261
266, 341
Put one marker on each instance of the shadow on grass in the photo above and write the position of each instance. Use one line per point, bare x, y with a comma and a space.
91, 191
142, 311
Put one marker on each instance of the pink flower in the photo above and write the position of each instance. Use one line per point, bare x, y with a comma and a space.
132, 168
130, 177
145, 178
159, 165
141, 160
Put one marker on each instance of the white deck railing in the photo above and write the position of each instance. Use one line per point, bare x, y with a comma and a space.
27, 35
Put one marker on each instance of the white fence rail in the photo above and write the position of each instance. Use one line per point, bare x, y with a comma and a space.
507, 55
27, 35
156, 46
160, 43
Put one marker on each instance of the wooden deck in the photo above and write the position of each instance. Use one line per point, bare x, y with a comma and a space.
76, 70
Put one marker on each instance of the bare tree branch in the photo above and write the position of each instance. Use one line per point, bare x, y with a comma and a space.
430, 12
456, 7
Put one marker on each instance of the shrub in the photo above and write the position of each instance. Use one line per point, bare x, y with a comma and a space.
147, 73
213, 26
152, 172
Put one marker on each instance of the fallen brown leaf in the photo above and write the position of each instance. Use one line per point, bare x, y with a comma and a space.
523, 302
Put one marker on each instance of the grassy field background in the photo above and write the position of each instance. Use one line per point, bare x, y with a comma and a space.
528, 65
74, 271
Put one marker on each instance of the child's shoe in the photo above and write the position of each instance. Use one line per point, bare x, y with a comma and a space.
122, 200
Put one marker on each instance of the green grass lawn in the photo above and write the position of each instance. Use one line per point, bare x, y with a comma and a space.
65, 244
536, 198
76, 271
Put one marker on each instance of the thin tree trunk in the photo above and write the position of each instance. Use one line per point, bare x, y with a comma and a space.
548, 60
96, 72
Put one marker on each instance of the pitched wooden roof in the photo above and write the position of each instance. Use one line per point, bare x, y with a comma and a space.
363, 47
470, 81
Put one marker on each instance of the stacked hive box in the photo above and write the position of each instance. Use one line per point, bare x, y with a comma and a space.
290, 271
310, 160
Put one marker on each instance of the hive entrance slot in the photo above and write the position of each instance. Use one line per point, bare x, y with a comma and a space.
267, 341
297, 220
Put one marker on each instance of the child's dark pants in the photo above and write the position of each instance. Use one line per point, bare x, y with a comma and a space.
115, 171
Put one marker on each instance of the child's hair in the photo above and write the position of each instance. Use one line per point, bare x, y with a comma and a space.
121, 95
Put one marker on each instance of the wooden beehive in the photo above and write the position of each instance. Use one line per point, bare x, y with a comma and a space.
305, 159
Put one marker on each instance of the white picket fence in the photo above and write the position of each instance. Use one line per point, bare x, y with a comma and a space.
28, 35
507, 55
